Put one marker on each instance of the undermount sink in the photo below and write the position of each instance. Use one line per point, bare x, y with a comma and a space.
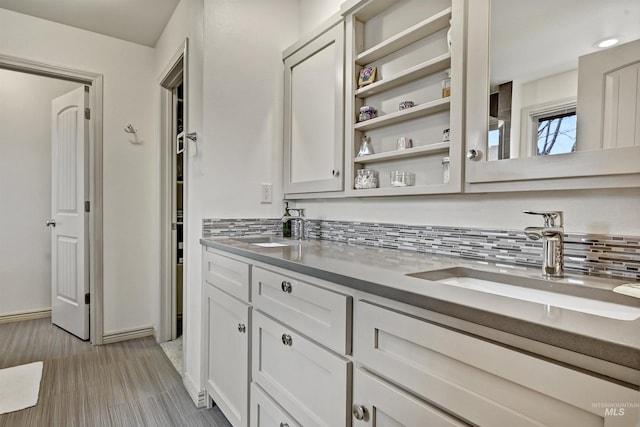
587, 294
266, 241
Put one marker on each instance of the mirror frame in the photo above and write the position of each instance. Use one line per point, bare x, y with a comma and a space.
610, 168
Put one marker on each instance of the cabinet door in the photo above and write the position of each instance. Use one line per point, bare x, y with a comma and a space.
314, 105
307, 380
267, 413
226, 345
377, 403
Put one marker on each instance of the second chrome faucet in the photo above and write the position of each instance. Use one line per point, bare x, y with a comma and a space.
552, 236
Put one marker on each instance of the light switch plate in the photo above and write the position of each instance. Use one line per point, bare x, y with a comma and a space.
266, 193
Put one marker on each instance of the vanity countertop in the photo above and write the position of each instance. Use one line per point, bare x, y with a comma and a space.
385, 272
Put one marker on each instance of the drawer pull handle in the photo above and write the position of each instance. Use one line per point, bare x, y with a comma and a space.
242, 328
287, 340
359, 412
284, 424
286, 286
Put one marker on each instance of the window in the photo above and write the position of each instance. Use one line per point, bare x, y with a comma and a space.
556, 132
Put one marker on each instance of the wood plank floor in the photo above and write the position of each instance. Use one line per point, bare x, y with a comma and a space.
131, 383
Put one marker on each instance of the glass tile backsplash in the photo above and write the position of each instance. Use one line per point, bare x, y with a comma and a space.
616, 256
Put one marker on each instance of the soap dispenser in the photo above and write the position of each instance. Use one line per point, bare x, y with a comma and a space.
286, 223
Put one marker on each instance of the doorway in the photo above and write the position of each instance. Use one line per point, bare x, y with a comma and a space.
92, 202
173, 177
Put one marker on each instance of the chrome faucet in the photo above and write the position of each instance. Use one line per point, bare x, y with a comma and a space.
552, 236
298, 230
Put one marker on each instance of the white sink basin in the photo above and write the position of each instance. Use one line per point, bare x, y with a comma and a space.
267, 241
595, 298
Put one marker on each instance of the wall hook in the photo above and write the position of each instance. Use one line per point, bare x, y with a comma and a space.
129, 129
193, 136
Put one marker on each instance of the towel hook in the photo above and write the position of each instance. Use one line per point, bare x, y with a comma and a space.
129, 129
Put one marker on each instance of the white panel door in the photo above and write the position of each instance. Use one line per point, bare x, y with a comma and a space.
69, 231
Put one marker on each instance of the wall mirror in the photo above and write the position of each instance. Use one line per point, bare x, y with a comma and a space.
558, 105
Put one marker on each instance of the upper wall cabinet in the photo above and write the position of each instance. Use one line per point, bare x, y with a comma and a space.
547, 111
404, 96
314, 111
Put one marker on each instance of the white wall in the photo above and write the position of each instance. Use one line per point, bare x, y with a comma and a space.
187, 21
25, 189
130, 178
314, 12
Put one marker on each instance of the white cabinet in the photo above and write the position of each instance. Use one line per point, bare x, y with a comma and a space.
479, 381
226, 338
313, 112
381, 404
408, 44
308, 381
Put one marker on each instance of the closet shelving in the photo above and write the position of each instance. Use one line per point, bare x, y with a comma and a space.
421, 66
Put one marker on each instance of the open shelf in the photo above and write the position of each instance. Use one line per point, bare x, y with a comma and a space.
401, 191
405, 38
404, 115
424, 69
423, 150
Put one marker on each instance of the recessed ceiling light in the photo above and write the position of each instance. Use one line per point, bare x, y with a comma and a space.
608, 42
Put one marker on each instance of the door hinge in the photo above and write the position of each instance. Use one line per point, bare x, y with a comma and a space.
87, 206
87, 113
87, 298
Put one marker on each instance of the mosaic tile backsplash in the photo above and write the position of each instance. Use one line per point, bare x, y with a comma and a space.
615, 256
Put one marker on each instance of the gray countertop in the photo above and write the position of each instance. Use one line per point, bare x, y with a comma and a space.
384, 272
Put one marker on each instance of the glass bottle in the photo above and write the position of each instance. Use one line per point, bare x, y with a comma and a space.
286, 224
446, 85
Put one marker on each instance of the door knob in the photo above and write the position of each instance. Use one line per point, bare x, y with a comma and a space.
51, 223
359, 412
287, 340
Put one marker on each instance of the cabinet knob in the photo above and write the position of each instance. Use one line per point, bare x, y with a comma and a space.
51, 223
284, 424
335, 172
287, 340
359, 412
242, 328
286, 286
473, 154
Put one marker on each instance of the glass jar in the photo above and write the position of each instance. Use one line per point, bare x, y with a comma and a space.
446, 174
366, 113
402, 179
366, 178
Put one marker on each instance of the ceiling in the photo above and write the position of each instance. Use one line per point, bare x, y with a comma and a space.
137, 21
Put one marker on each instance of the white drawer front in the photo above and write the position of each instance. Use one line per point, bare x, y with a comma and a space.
383, 405
308, 381
319, 313
479, 381
267, 413
228, 274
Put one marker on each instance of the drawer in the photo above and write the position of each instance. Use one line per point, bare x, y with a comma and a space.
382, 404
228, 274
479, 381
317, 312
308, 381
267, 413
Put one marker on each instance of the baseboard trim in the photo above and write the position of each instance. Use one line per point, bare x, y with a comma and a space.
199, 397
129, 334
25, 315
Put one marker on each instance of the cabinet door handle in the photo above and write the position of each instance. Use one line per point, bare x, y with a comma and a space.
286, 286
287, 340
335, 172
359, 412
242, 328
284, 424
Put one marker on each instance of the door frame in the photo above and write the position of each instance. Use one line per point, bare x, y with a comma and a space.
176, 70
95, 244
